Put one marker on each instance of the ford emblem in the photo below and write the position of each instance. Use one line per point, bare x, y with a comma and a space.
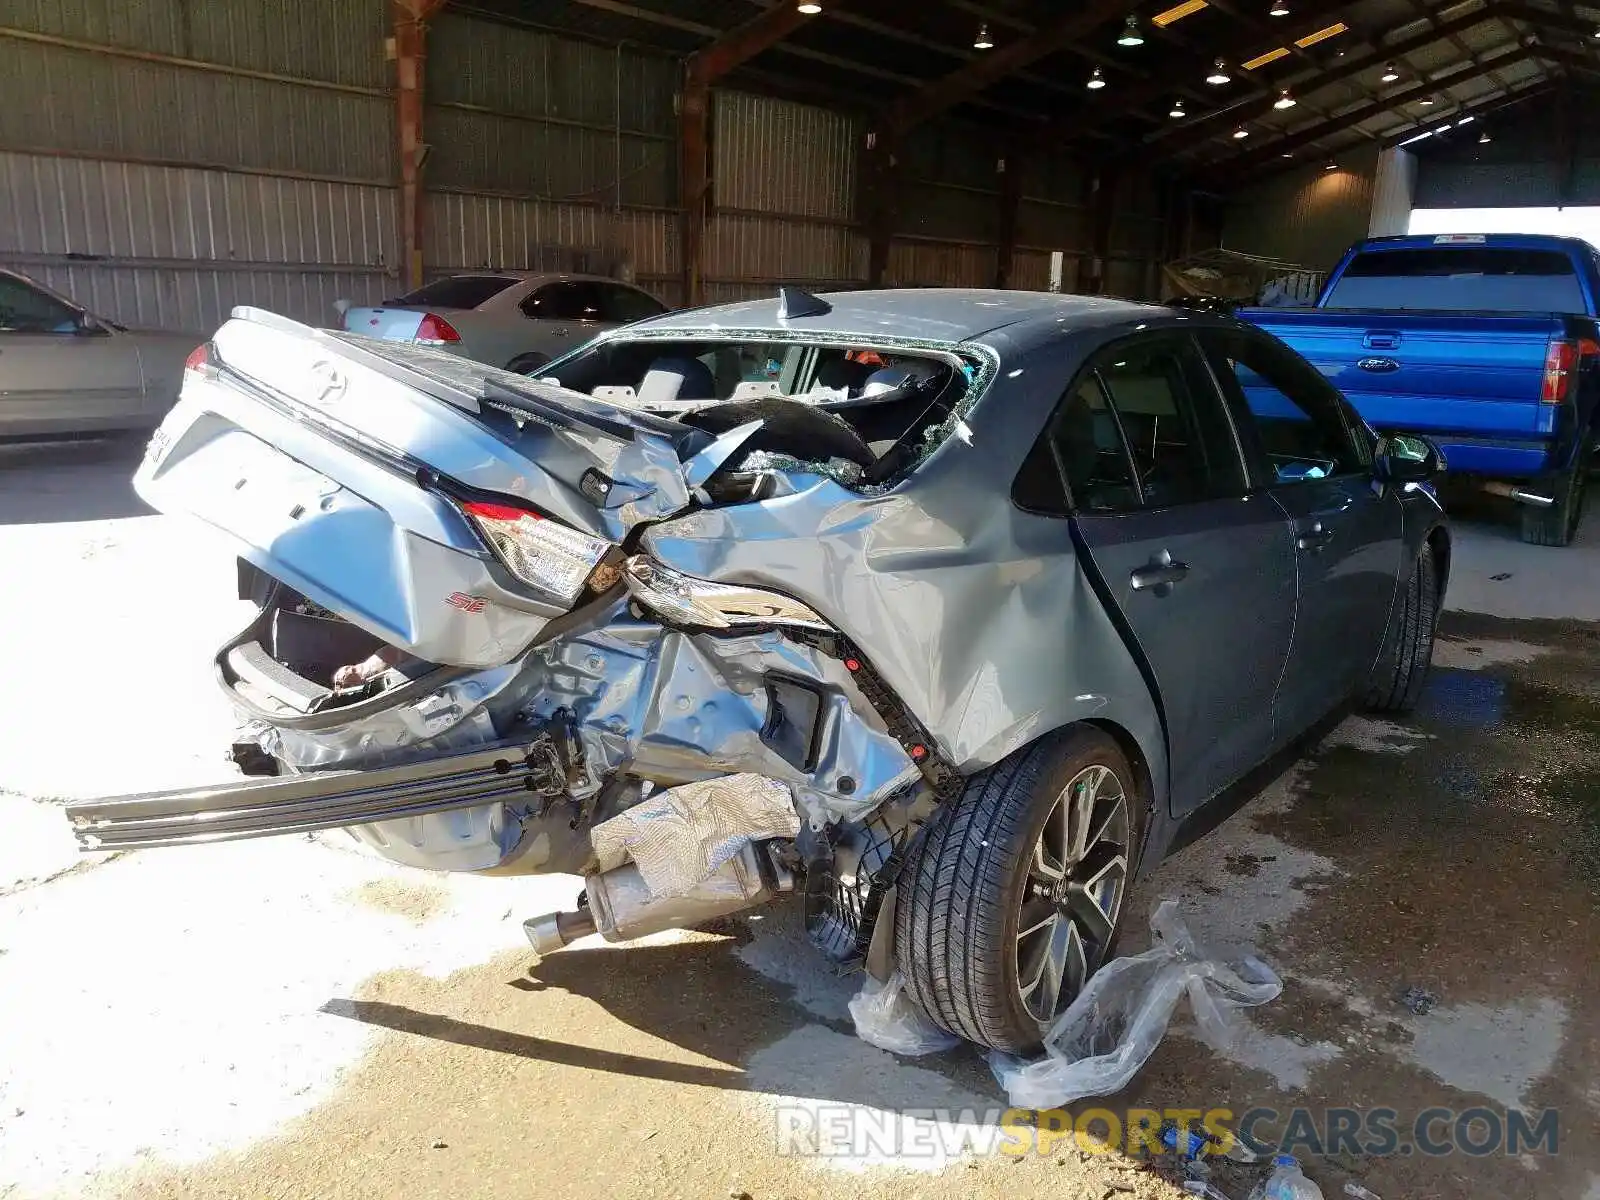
1379, 365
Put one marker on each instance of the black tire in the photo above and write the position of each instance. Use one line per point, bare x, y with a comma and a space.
1557, 525
1402, 668
527, 364
962, 894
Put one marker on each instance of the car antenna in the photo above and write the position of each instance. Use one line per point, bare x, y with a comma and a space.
793, 302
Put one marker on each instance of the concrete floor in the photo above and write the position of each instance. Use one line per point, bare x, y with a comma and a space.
292, 1018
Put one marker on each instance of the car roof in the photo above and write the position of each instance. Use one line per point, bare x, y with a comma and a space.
539, 276
934, 314
1515, 241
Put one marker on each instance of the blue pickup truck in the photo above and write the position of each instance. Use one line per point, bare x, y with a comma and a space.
1486, 343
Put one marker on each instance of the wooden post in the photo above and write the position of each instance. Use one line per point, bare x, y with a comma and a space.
410, 38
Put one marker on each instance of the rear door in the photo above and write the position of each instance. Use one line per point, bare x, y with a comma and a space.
1202, 571
59, 372
1316, 463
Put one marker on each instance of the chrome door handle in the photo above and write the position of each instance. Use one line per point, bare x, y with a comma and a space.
1315, 537
1161, 571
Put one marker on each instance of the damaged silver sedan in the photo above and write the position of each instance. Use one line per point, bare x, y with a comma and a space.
948, 611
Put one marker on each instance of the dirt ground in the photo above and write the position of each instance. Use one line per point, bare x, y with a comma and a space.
293, 1018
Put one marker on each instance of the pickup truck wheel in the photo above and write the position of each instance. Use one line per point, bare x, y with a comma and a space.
1013, 894
1556, 525
1402, 668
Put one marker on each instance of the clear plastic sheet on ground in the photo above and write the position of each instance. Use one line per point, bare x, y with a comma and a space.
1099, 1043
887, 1018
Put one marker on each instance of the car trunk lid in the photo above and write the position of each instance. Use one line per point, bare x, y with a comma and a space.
345, 473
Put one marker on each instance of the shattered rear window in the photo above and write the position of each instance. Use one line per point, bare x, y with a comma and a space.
862, 411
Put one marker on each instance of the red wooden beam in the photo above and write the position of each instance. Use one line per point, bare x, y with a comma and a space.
703, 68
410, 41
967, 81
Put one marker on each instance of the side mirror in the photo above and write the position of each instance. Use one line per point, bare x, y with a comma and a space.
341, 306
89, 326
1407, 458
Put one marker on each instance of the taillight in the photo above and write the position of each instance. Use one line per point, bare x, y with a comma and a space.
542, 553
1562, 359
434, 330
200, 361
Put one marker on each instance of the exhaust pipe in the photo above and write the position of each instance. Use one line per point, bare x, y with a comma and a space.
621, 906
1521, 496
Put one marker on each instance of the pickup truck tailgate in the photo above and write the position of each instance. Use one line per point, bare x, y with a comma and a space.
1424, 372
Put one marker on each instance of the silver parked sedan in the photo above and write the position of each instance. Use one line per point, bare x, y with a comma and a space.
515, 320
65, 371
951, 611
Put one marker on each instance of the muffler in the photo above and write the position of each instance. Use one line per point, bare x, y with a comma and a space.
621, 906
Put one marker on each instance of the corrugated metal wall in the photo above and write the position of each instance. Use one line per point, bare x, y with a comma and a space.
177, 247
783, 187
1309, 217
549, 153
166, 160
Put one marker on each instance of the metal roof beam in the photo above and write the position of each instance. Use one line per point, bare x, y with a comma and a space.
1463, 73
1240, 112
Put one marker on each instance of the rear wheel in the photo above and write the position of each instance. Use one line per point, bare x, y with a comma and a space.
1557, 525
1013, 895
1402, 668
527, 364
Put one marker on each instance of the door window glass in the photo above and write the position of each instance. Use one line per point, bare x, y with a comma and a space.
625, 304
577, 300
25, 309
1295, 415
1177, 432
1143, 427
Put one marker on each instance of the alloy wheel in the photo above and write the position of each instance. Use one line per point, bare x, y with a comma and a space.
1072, 899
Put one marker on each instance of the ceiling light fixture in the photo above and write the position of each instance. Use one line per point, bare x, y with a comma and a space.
810, 7
1219, 74
1428, 101
983, 41
1467, 120
1130, 33
1284, 100
1484, 138
1241, 133
1333, 166
1176, 112
1390, 74
1596, 33
1097, 80
1278, 9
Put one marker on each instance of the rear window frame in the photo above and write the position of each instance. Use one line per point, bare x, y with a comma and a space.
1400, 264
417, 298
